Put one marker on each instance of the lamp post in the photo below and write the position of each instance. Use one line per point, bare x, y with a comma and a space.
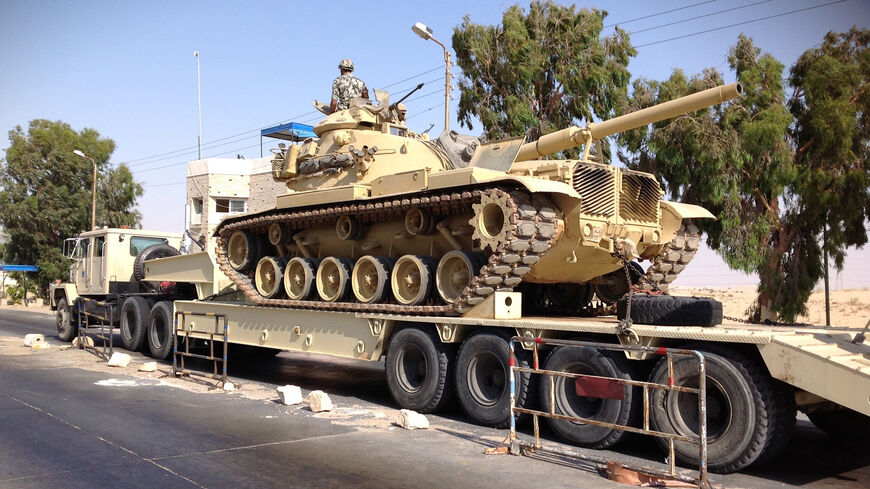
198, 108
426, 33
79, 152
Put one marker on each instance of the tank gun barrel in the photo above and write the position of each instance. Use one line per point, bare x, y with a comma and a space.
575, 136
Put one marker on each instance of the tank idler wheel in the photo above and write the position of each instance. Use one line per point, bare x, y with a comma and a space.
269, 276
418, 222
371, 278
348, 228
456, 269
299, 277
243, 250
333, 278
279, 234
613, 285
412, 279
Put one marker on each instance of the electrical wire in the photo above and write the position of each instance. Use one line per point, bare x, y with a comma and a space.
659, 13
699, 17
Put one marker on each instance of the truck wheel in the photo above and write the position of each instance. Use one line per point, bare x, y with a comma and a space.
134, 317
419, 370
150, 253
66, 327
606, 407
668, 310
482, 382
783, 425
160, 330
740, 408
843, 424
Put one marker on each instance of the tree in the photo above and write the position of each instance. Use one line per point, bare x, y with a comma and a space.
751, 163
46, 193
541, 71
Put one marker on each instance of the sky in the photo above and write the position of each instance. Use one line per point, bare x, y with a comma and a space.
127, 69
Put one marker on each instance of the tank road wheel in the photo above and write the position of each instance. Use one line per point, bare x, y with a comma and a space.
613, 404
419, 370
370, 278
278, 234
418, 221
614, 285
455, 271
243, 250
269, 275
160, 326
66, 326
741, 408
299, 277
134, 321
491, 220
333, 279
412, 279
482, 382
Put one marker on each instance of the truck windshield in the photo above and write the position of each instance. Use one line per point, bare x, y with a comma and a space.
139, 243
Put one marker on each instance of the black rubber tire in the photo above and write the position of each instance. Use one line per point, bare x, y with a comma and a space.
150, 253
134, 321
842, 424
420, 370
616, 285
783, 424
740, 408
160, 330
585, 360
667, 310
482, 382
66, 325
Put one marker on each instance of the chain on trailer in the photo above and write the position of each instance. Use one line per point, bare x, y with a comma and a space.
182, 339
103, 329
515, 446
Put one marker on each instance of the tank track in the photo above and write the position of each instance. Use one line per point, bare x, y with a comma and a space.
673, 258
530, 234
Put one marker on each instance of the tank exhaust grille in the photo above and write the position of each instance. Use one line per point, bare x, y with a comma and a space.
639, 197
595, 184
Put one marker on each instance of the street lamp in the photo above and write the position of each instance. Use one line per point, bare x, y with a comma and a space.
426, 33
79, 152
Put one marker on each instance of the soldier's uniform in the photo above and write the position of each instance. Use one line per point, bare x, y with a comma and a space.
346, 87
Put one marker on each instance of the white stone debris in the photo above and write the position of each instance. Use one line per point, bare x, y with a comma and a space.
319, 401
148, 367
119, 360
229, 387
290, 395
32, 339
88, 341
411, 420
41, 346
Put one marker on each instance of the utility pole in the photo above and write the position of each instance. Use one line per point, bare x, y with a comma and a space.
426, 33
827, 285
198, 109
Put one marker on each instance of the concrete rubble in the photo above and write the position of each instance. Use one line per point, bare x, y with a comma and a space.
412, 420
119, 360
148, 367
77, 342
319, 401
290, 394
229, 387
32, 339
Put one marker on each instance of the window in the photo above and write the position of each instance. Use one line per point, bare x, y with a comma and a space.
99, 246
230, 205
196, 211
81, 249
139, 243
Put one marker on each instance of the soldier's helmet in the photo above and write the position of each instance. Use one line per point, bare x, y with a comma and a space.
346, 64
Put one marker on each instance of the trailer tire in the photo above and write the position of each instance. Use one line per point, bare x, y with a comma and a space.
666, 310
160, 330
482, 382
66, 327
783, 425
134, 317
419, 370
842, 424
589, 361
740, 409
154, 251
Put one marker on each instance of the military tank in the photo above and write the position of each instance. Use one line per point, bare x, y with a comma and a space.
379, 218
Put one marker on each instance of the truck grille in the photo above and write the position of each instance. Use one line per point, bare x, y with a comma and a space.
639, 197
638, 194
595, 184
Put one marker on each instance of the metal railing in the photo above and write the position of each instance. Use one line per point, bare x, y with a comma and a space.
517, 447
182, 335
105, 327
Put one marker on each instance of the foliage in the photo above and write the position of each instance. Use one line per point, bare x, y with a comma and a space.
17, 292
46, 193
541, 71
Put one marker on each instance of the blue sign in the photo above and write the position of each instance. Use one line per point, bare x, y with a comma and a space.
18, 268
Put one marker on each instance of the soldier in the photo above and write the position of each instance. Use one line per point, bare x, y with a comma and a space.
346, 87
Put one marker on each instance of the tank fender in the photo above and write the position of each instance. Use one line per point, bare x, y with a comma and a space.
59, 291
473, 175
687, 211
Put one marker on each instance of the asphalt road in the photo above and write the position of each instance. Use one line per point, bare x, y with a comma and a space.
68, 421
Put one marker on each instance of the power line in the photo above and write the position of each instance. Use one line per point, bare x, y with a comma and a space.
659, 13
700, 17
741, 23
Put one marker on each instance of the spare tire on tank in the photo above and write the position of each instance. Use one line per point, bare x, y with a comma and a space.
667, 310
154, 251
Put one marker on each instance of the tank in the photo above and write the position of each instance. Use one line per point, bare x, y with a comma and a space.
379, 218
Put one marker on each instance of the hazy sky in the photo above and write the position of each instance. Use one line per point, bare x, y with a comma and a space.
127, 70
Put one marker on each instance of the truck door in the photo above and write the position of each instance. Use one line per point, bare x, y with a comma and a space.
81, 261
98, 251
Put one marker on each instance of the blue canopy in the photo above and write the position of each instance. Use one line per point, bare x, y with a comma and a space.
18, 268
292, 131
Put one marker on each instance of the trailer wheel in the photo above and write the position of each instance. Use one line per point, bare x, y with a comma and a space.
419, 370
668, 310
842, 424
66, 327
134, 317
482, 381
160, 330
783, 425
740, 408
621, 405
